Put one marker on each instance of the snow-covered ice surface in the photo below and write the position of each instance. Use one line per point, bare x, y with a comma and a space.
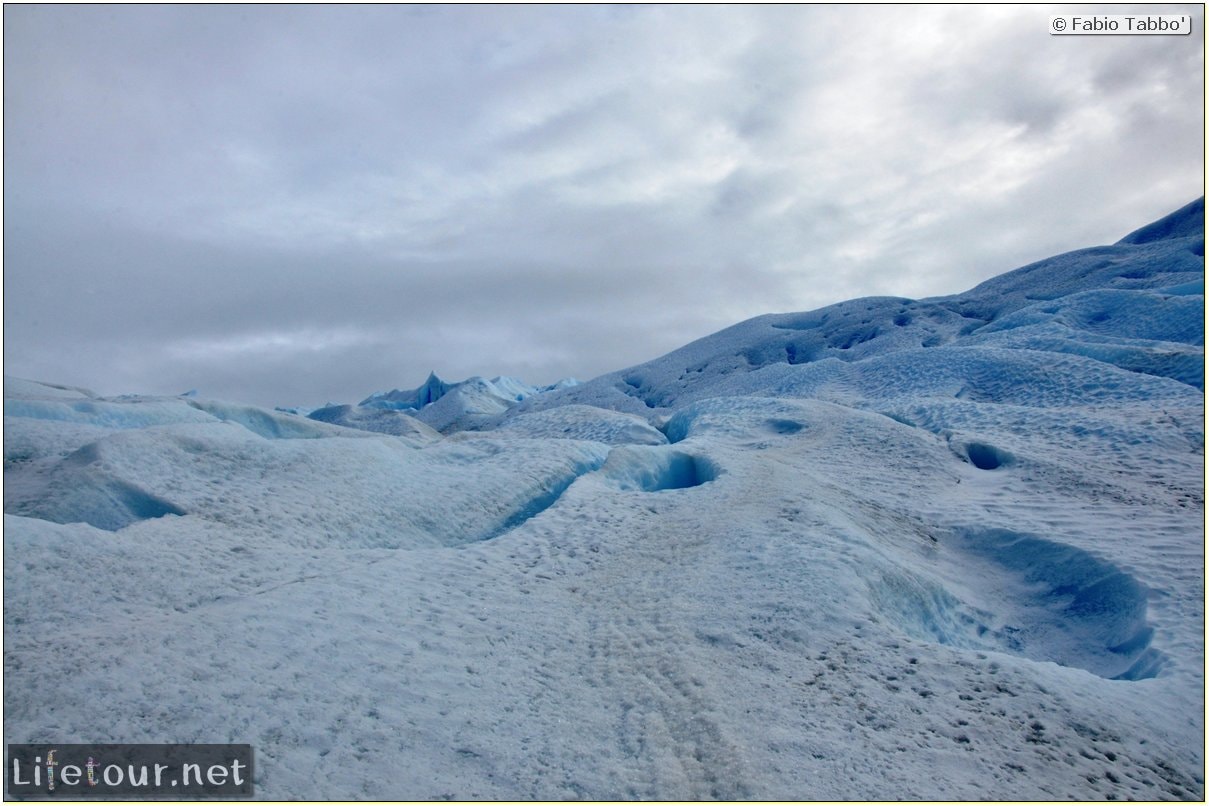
947, 549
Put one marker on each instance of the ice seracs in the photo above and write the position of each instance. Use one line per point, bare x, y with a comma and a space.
469, 404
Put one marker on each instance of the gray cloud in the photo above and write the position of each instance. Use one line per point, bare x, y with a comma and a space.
288, 205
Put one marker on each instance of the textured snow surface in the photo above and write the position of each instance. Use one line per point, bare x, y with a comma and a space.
935, 549
585, 422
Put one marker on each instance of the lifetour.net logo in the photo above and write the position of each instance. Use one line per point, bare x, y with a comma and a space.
73, 771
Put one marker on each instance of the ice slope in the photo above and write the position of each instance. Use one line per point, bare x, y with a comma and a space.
962, 570
379, 420
1137, 304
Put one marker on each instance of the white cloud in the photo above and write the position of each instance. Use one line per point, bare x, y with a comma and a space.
257, 344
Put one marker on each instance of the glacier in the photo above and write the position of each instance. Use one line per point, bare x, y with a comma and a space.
947, 548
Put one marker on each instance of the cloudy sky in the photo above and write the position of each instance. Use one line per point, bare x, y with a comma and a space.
291, 205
